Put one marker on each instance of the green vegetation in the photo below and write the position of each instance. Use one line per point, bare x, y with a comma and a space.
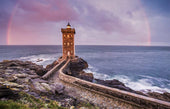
12, 105
27, 101
87, 105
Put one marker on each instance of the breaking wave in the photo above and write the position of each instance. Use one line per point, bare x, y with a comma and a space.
42, 59
143, 84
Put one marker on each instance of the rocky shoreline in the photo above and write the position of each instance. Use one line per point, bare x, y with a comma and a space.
26, 77
18, 76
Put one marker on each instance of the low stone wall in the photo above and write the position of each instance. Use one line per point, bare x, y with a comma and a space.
109, 97
53, 70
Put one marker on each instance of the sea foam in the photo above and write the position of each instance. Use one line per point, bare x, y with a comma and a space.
144, 84
45, 59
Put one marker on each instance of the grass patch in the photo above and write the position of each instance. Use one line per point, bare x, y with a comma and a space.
12, 105
27, 101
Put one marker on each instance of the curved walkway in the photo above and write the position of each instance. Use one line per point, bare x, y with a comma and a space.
54, 69
107, 96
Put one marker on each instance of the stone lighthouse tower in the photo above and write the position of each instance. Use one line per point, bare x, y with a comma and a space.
68, 41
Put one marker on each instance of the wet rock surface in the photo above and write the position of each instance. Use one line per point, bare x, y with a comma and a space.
114, 84
78, 65
75, 68
50, 66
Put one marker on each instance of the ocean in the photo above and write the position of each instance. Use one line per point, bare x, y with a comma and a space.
142, 68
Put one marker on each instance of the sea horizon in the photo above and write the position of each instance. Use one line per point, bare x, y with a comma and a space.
98, 45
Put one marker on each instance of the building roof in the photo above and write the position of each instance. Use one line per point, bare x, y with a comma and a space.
68, 24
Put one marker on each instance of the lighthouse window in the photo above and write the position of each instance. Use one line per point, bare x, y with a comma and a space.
68, 36
68, 44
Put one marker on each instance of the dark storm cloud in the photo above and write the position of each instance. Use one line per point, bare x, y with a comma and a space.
6, 7
158, 13
157, 7
100, 19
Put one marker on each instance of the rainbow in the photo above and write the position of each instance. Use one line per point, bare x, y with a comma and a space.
149, 33
8, 41
8, 37
147, 26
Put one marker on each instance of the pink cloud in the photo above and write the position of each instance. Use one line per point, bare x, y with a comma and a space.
51, 10
37, 21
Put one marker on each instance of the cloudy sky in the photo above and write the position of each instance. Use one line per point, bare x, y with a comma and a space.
97, 22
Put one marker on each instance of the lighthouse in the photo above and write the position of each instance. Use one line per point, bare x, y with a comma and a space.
68, 42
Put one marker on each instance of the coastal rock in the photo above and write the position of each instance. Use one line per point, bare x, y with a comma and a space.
164, 96
11, 84
38, 88
85, 76
34, 76
40, 71
5, 92
114, 84
57, 88
75, 68
68, 102
39, 80
46, 86
14, 66
21, 75
43, 87
50, 66
11, 78
77, 65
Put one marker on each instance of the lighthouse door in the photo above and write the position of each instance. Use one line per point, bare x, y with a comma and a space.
68, 53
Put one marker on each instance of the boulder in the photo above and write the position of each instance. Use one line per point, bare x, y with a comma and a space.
50, 66
57, 88
43, 87
38, 88
5, 92
114, 84
46, 86
41, 72
75, 68
78, 65
21, 75
85, 76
